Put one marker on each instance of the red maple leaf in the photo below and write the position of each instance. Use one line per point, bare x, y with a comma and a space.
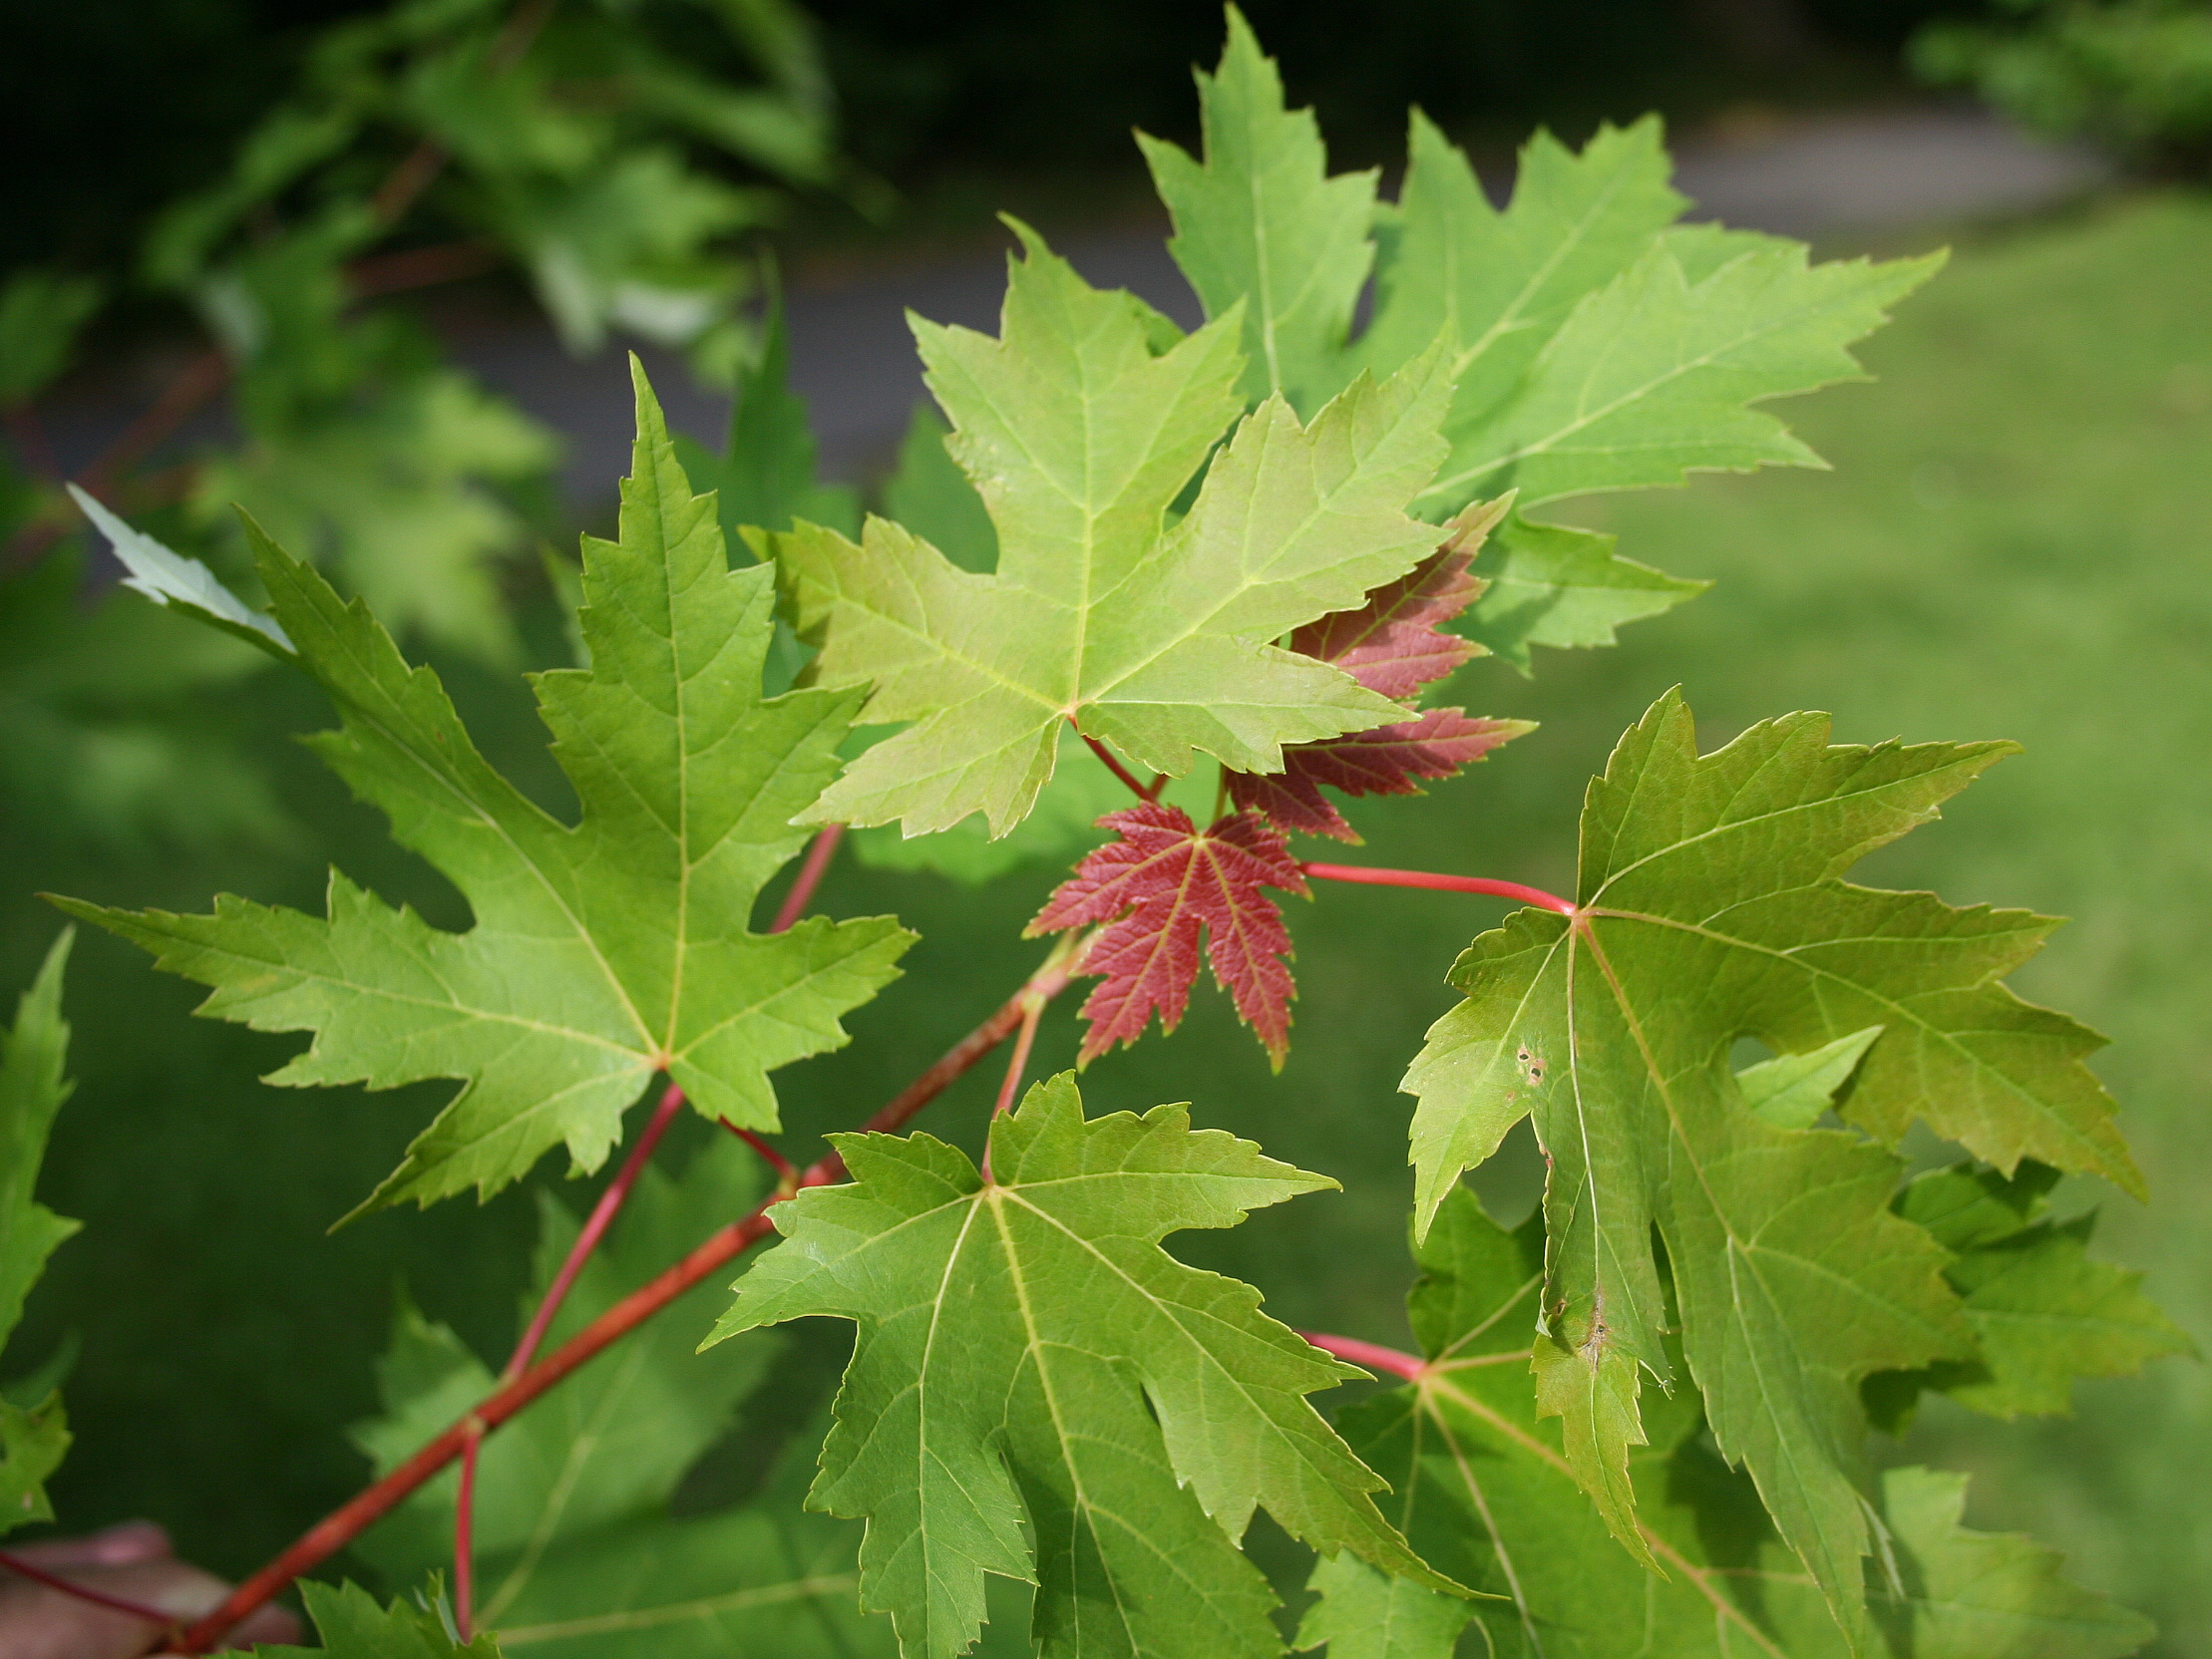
1385, 761
1393, 644
1159, 884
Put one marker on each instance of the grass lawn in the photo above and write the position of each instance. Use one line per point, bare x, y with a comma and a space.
2014, 543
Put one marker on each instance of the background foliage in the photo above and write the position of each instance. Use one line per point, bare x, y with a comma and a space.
1965, 572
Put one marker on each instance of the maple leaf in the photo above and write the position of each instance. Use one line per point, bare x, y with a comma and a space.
603, 952
2043, 1312
1038, 1391
1394, 645
352, 1626
1266, 172
1591, 346
1709, 907
34, 1434
1482, 1488
1081, 425
1158, 887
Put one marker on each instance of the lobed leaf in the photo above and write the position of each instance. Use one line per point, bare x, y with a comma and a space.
1081, 427
1038, 1391
1264, 174
1156, 890
603, 952
1710, 905
34, 1430
2043, 1312
352, 1626
1483, 1487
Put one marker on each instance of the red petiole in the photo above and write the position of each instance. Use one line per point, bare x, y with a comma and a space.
338, 1528
1372, 876
1373, 1355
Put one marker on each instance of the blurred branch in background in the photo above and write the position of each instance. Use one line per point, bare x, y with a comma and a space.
613, 154
2133, 77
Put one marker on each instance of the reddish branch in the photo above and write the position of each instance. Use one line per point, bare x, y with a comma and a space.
1444, 884
808, 877
335, 1530
594, 1228
208, 372
84, 1592
1373, 1355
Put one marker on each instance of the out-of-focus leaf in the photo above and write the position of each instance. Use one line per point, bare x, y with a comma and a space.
2043, 1311
33, 1438
352, 1626
765, 475
397, 494
612, 1444
41, 312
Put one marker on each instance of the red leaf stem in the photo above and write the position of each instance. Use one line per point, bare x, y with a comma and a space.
346, 1523
810, 877
84, 1592
464, 1535
1117, 770
1443, 884
1373, 1355
594, 1228
787, 1174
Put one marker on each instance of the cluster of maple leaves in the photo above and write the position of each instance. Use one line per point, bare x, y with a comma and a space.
1163, 881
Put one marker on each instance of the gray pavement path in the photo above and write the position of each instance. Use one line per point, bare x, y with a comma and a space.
853, 358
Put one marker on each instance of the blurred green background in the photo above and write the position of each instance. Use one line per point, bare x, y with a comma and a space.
2013, 543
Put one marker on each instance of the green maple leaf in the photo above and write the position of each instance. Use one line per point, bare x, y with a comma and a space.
1552, 584
1040, 1391
2043, 1312
32, 1090
353, 1626
34, 1434
1591, 346
1081, 425
1711, 906
603, 951
1651, 377
1500, 283
1265, 173
1482, 1487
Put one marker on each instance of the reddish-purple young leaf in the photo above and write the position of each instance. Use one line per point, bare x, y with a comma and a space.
1434, 744
1395, 644
1160, 884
